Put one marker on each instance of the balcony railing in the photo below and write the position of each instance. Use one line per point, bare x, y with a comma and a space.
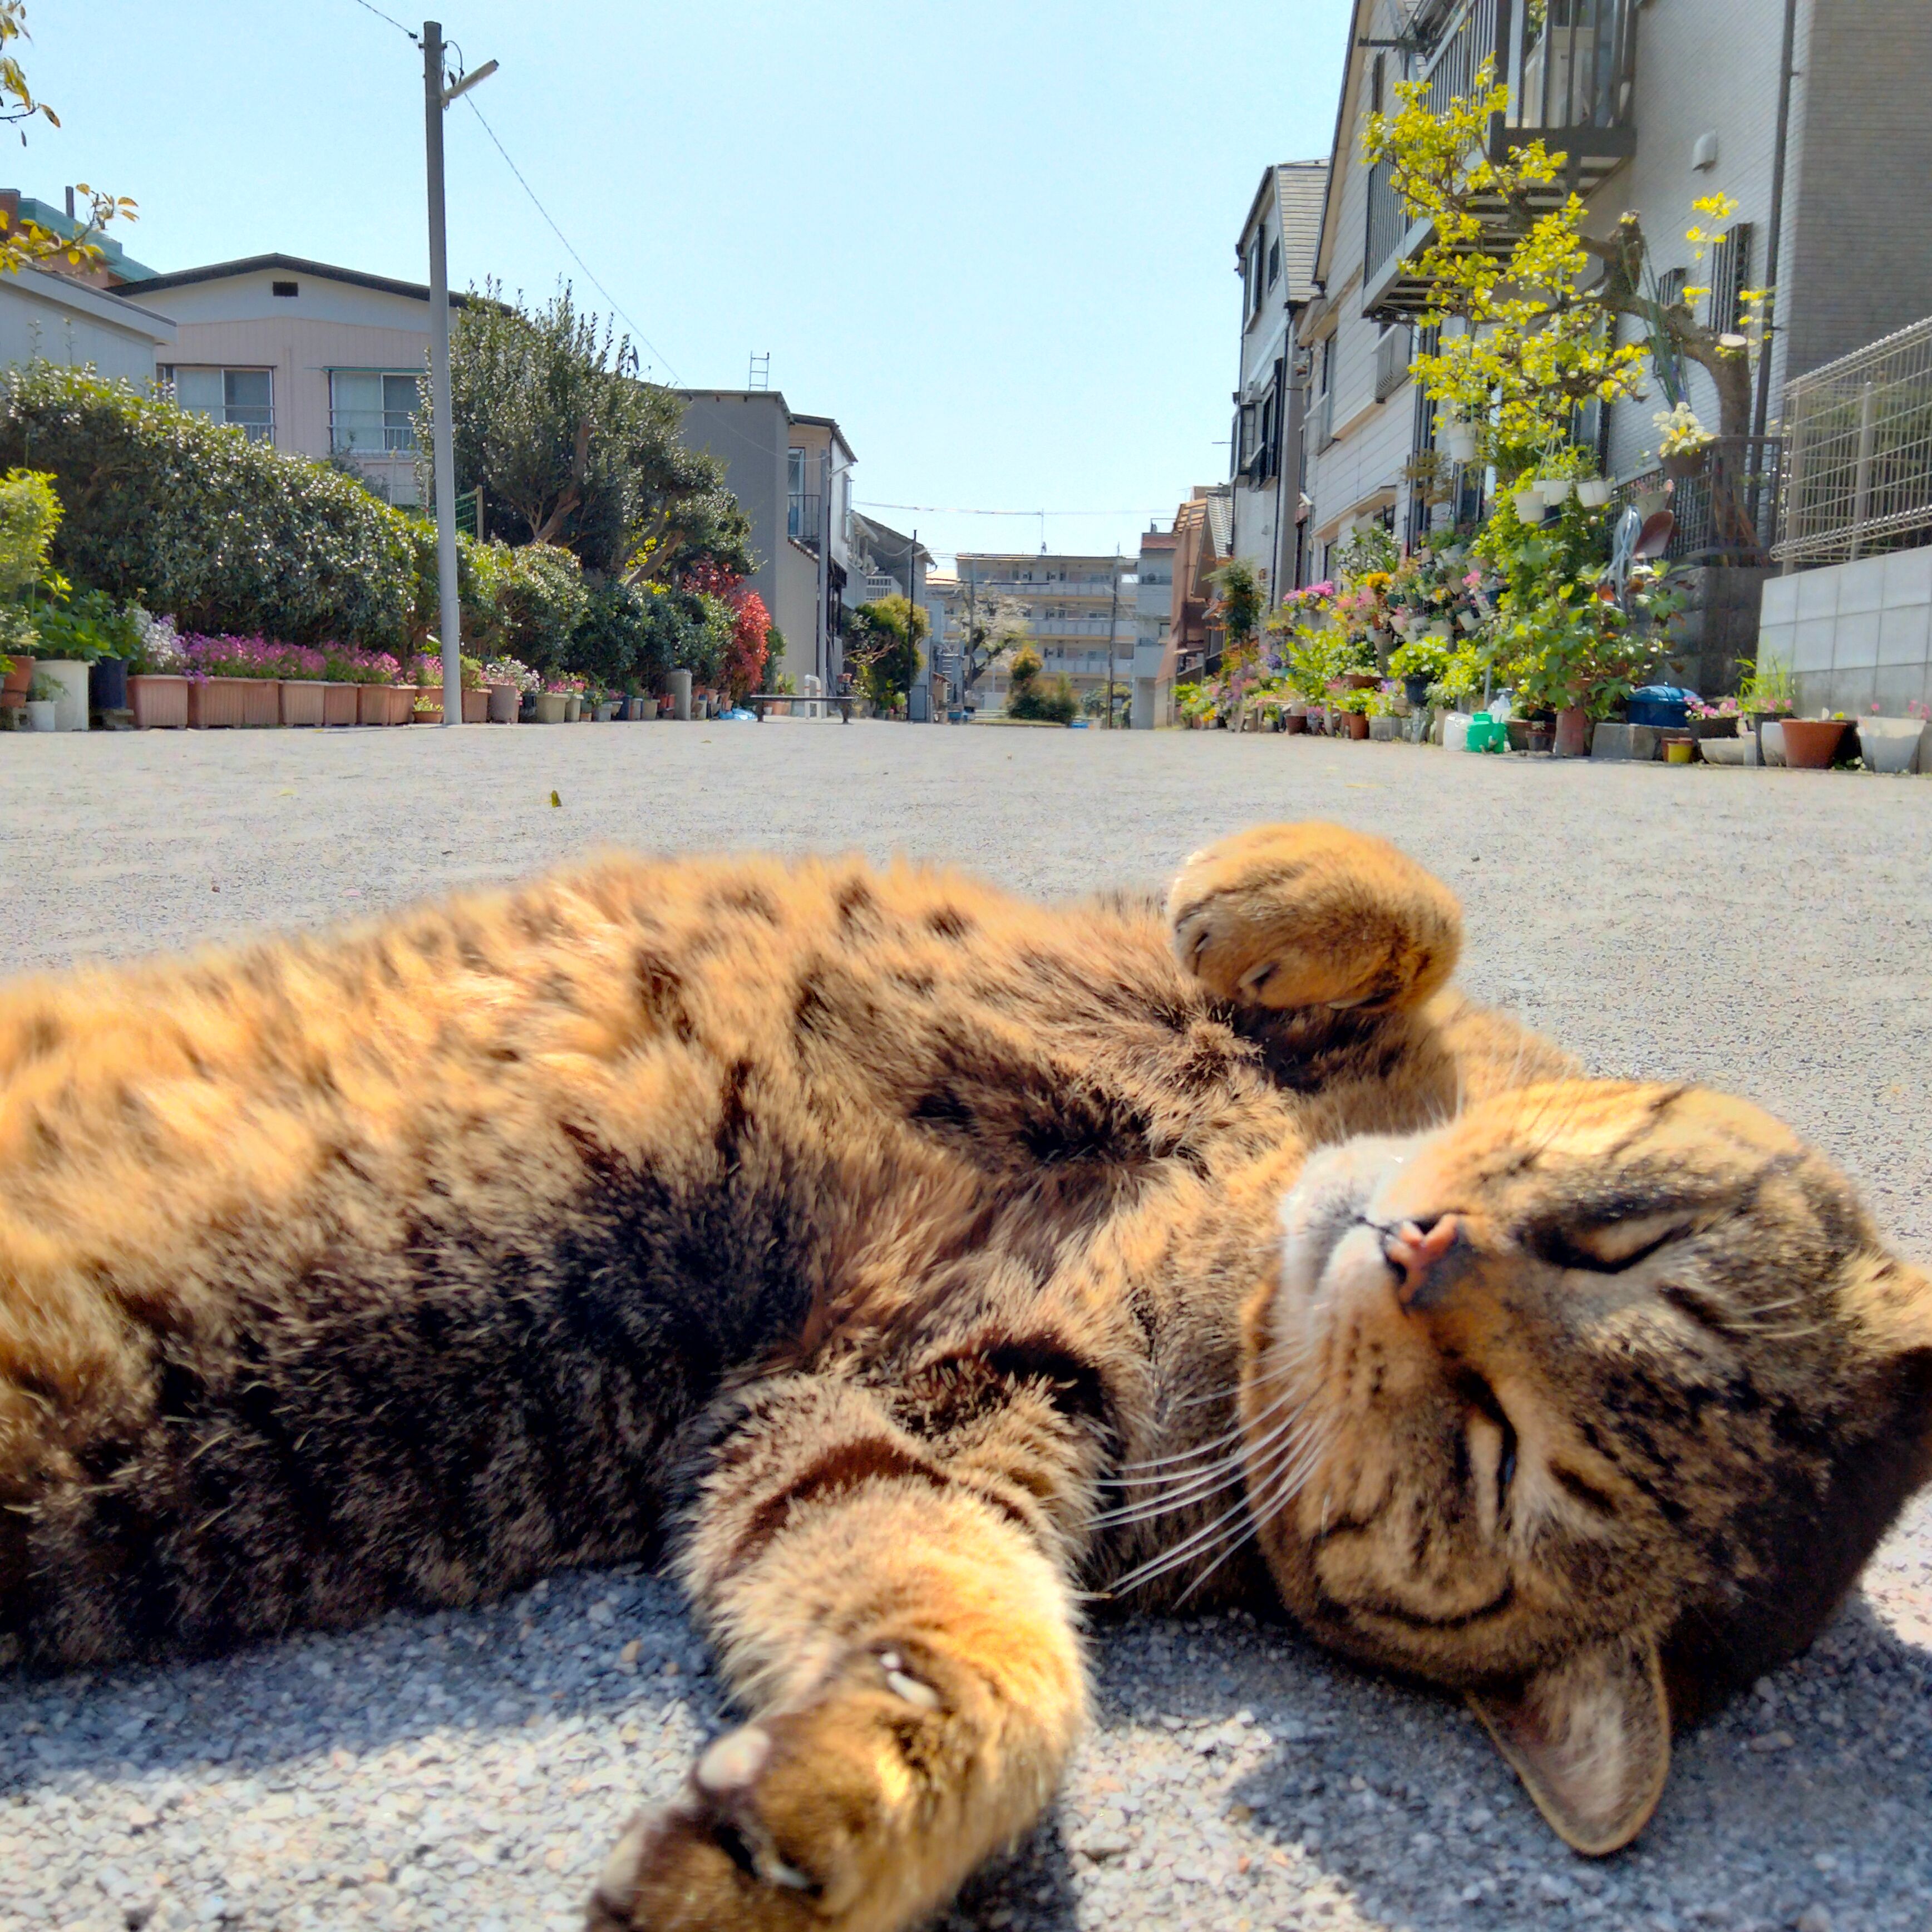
805, 519
1569, 66
1727, 513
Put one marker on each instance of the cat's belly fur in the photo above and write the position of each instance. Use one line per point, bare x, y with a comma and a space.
396, 1268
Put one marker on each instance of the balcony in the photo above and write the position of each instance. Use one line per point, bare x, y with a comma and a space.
1727, 513
1568, 64
805, 519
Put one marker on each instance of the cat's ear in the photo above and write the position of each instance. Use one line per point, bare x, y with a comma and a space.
1590, 1738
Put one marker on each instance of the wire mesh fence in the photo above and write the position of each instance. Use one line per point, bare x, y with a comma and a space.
1858, 441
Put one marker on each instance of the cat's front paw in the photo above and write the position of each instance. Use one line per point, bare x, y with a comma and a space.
815, 1818
1313, 916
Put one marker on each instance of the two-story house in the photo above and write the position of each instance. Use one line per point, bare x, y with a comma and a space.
1275, 260
1655, 103
1153, 634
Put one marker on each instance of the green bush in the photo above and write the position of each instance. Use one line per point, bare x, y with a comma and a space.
1050, 703
186, 516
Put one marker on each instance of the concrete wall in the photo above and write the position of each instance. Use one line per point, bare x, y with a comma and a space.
1856, 635
749, 431
44, 315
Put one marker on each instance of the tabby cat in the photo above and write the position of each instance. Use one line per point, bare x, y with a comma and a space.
922, 1257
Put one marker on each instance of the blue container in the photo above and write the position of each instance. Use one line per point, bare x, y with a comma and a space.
1665, 707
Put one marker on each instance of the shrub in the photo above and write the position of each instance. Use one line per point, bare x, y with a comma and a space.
1052, 703
175, 511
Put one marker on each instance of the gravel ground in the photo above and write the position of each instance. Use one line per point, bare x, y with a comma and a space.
1768, 930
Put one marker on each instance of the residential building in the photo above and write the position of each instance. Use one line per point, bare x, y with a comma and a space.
1081, 611
791, 474
1154, 632
890, 563
320, 361
1204, 540
1275, 260
60, 319
1655, 105
116, 269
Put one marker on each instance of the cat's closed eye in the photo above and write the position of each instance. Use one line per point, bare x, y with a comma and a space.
1605, 1247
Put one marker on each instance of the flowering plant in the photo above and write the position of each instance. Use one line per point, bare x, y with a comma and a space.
1915, 709
1720, 707
513, 672
159, 652
346, 664
564, 686
1682, 433
203, 658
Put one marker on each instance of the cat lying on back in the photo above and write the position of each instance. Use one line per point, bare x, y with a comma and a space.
932, 1256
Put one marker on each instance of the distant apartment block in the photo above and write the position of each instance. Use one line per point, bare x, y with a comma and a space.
1081, 611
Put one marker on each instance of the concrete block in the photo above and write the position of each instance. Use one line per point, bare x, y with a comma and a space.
1908, 577
1818, 594
1860, 584
1780, 602
1816, 638
1855, 642
1637, 743
1904, 636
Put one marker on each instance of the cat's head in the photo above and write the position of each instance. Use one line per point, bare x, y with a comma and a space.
1596, 1386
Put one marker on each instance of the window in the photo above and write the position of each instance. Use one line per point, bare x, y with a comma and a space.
1670, 288
285, 289
372, 412
243, 397
1730, 273
1274, 261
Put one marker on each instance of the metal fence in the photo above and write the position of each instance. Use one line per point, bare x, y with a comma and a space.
1859, 478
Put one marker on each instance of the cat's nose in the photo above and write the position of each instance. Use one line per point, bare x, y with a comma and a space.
1414, 1250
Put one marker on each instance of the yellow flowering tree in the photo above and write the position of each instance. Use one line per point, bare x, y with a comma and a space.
1539, 298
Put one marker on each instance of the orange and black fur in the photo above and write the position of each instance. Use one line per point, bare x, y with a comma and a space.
911, 1258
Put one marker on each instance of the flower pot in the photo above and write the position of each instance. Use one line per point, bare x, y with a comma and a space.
1385, 730
1594, 493
1770, 741
372, 704
71, 674
1415, 687
1359, 680
1687, 462
553, 707
1294, 724
160, 701
402, 703
425, 714
573, 707
339, 703
607, 711
505, 701
1557, 491
475, 707
1713, 727
1518, 729
43, 714
1727, 750
1459, 443
1810, 744
1529, 504
1542, 738
1573, 733
16, 683
1679, 747
303, 701
1890, 744
107, 684
1354, 724
230, 703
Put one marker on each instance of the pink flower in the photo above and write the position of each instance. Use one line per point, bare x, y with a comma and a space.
1474, 581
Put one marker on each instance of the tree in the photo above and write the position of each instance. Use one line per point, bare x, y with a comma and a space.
26, 245
991, 632
882, 641
549, 415
1539, 298
1028, 696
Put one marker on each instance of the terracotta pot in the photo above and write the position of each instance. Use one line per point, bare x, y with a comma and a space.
1293, 722
303, 701
425, 714
17, 683
159, 702
1353, 724
475, 707
1573, 733
1359, 680
339, 703
229, 704
1810, 744
1687, 462
505, 701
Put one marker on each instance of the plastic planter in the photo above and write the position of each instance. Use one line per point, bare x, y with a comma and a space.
475, 707
1810, 744
338, 703
228, 703
71, 674
43, 714
16, 682
302, 701
1529, 505
552, 707
107, 684
504, 704
159, 702
372, 703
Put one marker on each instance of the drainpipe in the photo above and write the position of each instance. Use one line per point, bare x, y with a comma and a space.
1763, 414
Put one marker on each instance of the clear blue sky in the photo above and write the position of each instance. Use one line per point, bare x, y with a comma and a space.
995, 241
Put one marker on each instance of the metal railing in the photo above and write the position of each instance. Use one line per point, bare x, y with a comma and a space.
370, 432
1570, 66
804, 518
1727, 513
1858, 476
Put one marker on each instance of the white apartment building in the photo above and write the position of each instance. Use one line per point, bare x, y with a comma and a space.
1656, 103
1082, 611
1153, 634
1275, 260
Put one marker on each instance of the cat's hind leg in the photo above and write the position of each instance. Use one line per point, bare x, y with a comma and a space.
905, 1647
1314, 917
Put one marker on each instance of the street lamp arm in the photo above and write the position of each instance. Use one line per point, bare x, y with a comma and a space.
468, 81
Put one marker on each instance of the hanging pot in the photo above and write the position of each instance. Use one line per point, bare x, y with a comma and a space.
1594, 493
1687, 462
1529, 505
1556, 491
1459, 443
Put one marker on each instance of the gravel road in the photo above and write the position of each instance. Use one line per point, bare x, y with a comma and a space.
1771, 930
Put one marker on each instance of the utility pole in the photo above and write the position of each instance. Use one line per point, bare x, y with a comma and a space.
436, 98
1113, 622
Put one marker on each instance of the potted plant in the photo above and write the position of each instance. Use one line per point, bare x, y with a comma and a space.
1685, 444
476, 694
17, 680
157, 683
380, 698
301, 688
1457, 434
425, 690
508, 681
341, 704
1349, 704
1892, 745
1813, 744
1767, 696
1712, 717
553, 703
232, 682
44, 702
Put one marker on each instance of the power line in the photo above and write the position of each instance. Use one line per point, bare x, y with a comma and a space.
560, 235
958, 510
392, 20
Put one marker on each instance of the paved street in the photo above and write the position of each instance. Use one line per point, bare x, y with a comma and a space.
1768, 930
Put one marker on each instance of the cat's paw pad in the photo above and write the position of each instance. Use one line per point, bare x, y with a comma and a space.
1313, 916
797, 1819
